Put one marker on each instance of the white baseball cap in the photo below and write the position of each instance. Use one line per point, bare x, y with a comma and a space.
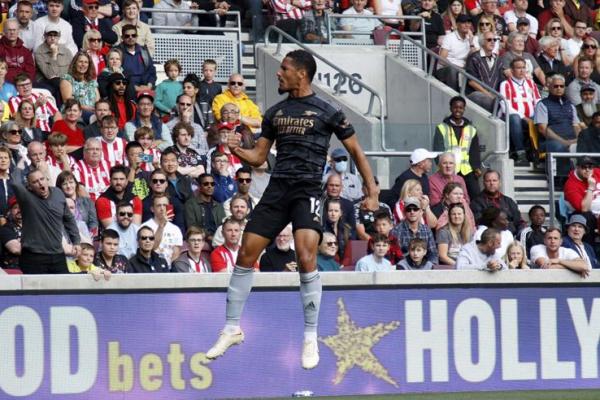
419, 155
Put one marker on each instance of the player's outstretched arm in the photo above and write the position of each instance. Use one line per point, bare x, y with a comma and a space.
351, 144
255, 156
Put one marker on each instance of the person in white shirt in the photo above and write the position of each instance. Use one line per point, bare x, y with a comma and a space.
520, 11
55, 9
28, 31
456, 47
481, 254
551, 255
376, 262
168, 237
361, 26
573, 45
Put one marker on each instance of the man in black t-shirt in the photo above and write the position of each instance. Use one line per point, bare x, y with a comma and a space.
10, 237
302, 125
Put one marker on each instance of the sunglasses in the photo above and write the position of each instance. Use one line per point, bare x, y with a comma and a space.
556, 28
245, 180
130, 36
126, 214
161, 181
587, 167
492, 39
344, 158
15, 132
485, 24
412, 209
185, 104
331, 244
208, 184
232, 83
94, 40
142, 238
589, 46
92, 7
123, 83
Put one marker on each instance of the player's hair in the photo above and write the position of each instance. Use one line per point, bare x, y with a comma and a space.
379, 238
143, 131
302, 59
110, 234
417, 243
117, 169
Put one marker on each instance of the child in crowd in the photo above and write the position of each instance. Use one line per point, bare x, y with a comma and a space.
534, 234
376, 262
168, 90
383, 226
84, 264
209, 89
515, 256
417, 256
107, 258
151, 154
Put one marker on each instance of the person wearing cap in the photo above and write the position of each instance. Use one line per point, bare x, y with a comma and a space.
122, 104
552, 255
10, 236
88, 19
233, 162
582, 189
137, 61
351, 186
412, 228
585, 68
549, 59
55, 9
531, 44
28, 31
576, 229
484, 66
52, 59
145, 116
481, 254
12, 49
421, 161
235, 93
519, 15
455, 48
588, 107
588, 140
456, 134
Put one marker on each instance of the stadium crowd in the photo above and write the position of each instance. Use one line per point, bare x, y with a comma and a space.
105, 171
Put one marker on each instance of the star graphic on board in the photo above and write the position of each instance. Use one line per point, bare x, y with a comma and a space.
352, 346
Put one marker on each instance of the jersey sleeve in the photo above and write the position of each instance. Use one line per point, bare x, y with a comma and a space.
217, 261
137, 206
267, 129
103, 209
340, 125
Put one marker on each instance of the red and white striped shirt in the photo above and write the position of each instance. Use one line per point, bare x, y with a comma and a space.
285, 10
114, 152
95, 180
56, 163
43, 114
522, 96
155, 153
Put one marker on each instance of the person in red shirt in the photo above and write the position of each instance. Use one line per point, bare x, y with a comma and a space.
122, 106
582, 191
222, 258
118, 191
68, 126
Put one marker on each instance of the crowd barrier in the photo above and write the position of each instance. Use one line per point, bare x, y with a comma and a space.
144, 336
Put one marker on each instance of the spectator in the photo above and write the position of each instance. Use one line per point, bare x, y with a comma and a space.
582, 190
121, 104
57, 156
520, 11
420, 166
551, 255
6, 178
113, 147
489, 8
249, 112
289, 14
361, 27
222, 258
412, 189
260, 180
481, 254
496, 218
185, 113
84, 264
36, 152
45, 108
350, 182
114, 65
516, 49
326, 257
128, 243
549, 61
588, 140
281, 257
234, 163
190, 162
486, 24
576, 229
225, 186
556, 30
455, 8
458, 135
209, 88
101, 110
416, 258
145, 117
93, 171
117, 192
136, 175
531, 44
41, 241
364, 219
131, 16
55, 9
376, 262
456, 47
18, 57
151, 155
107, 257
159, 185
589, 49
238, 210
10, 135
137, 61
10, 236
7, 89
314, 24
168, 236
202, 210
383, 226
434, 25
52, 59
515, 256
243, 181
89, 20
412, 228
555, 17
174, 19
25, 119
80, 83
491, 196
446, 174
522, 95
146, 259
68, 126
587, 108
170, 89
192, 260
201, 108
485, 66
585, 67
334, 223
557, 122
28, 30
453, 194
333, 191
576, 41
534, 234
180, 186
454, 235
84, 209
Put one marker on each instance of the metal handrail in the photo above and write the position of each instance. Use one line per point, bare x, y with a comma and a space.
421, 33
342, 74
427, 52
550, 173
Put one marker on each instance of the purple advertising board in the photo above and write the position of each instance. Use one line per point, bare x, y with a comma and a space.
372, 341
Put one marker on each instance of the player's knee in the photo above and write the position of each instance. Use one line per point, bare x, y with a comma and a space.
306, 259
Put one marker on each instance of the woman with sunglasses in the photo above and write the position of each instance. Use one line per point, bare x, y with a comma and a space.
92, 45
25, 118
455, 8
454, 234
326, 257
555, 29
11, 136
334, 223
589, 49
80, 84
487, 24
516, 49
114, 64
85, 209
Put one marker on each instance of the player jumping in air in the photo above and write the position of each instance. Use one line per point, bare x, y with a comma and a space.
302, 126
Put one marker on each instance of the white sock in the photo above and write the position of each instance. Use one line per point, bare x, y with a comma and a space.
310, 336
231, 329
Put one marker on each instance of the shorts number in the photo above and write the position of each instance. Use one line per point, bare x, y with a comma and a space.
315, 206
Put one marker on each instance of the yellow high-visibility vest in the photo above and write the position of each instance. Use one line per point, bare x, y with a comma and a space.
460, 149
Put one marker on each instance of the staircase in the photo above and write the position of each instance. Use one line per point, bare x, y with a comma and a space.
531, 187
